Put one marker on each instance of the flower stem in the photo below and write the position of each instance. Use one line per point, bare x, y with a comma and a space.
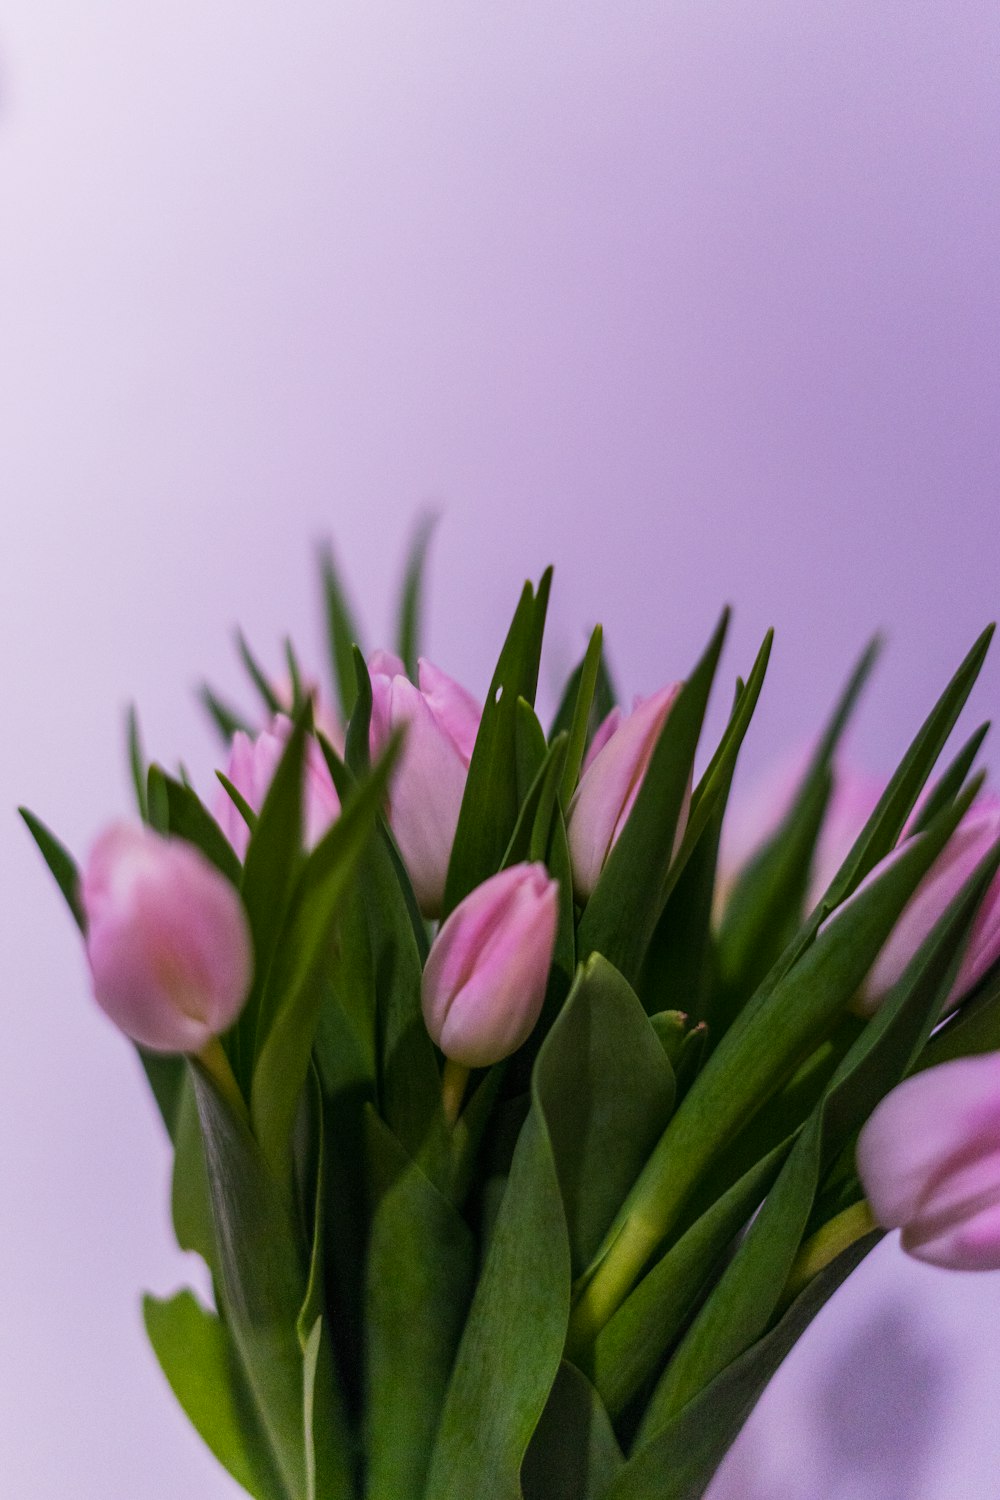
216, 1064
453, 1084
826, 1244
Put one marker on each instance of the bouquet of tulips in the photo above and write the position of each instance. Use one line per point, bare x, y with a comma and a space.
525, 1108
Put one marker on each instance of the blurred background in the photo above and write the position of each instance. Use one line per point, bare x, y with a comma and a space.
698, 301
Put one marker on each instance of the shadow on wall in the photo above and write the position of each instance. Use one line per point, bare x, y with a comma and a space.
863, 1429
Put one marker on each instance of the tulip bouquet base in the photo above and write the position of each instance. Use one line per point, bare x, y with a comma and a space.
521, 1128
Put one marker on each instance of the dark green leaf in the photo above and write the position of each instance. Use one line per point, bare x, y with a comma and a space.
583, 708
574, 1454
259, 677
623, 910
420, 1274
189, 819
342, 633
137, 762
61, 863
356, 753
411, 601
679, 1461
950, 783
491, 802
226, 720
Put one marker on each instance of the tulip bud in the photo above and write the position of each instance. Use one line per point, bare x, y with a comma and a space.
967, 847
441, 721
251, 768
929, 1163
167, 940
613, 773
487, 971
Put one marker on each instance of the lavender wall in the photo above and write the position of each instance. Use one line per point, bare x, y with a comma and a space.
698, 301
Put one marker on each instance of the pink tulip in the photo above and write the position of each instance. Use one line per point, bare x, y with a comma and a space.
167, 940
754, 816
613, 773
441, 721
967, 847
929, 1160
487, 971
251, 768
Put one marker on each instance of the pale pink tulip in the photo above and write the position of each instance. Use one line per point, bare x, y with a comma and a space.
167, 940
929, 1161
441, 721
251, 768
487, 971
967, 847
613, 773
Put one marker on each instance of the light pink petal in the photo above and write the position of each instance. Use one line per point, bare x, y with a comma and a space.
454, 708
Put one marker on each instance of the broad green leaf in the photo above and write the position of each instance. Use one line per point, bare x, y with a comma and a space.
419, 1280
165, 1074
632, 1346
289, 1009
765, 1045
198, 1358
513, 1340
491, 801
137, 762
609, 1091
623, 910
408, 630
741, 1307
190, 1195
228, 721
263, 1275
61, 863
574, 1454
342, 633
678, 1463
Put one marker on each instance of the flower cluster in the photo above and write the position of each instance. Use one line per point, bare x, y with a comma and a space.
544, 1048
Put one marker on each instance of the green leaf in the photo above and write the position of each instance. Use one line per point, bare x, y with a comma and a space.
356, 751
157, 801
228, 721
764, 1046
491, 802
165, 1074
342, 633
950, 783
574, 1454
605, 698
263, 1276
740, 1309
197, 1356
238, 800
259, 677
189, 819
679, 1462
420, 1275
274, 859
609, 1090
631, 1347
623, 910
289, 1009
137, 762
512, 1345
974, 1029
765, 907
61, 863
411, 600
190, 1195
583, 708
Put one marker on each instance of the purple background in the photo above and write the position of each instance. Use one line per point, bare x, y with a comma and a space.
697, 301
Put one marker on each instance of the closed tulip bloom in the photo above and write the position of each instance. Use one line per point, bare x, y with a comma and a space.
251, 768
167, 940
967, 847
441, 721
613, 773
487, 971
929, 1161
